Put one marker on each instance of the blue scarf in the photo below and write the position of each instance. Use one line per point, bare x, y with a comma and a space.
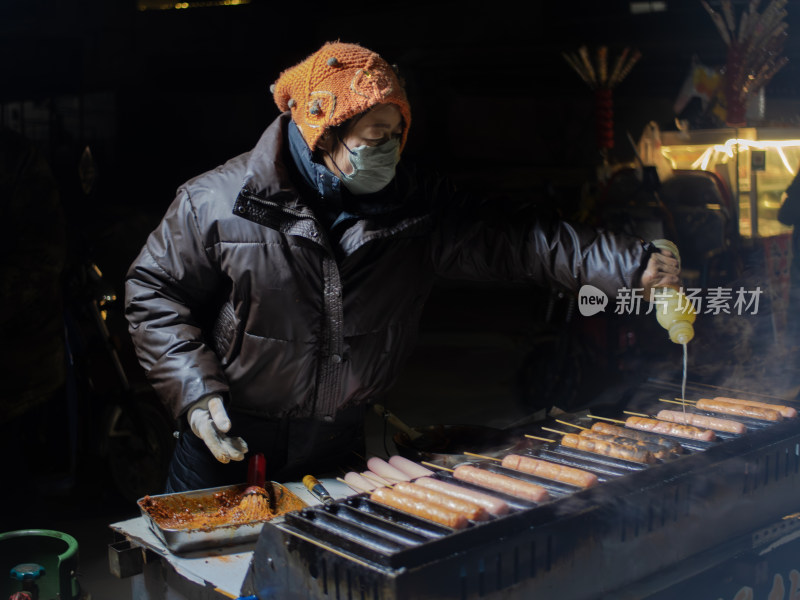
334, 205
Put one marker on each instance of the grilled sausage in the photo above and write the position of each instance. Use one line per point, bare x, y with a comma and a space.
787, 412
550, 470
409, 467
469, 509
739, 410
383, 469
703, 421
629, 442
493, 505
635, 434
419, 508
358, 482
605, 448
666, 428
501, 483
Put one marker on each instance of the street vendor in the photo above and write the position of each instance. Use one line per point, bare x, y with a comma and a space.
282, 291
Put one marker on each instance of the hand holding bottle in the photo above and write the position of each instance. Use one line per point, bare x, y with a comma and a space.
674, 311
663, 268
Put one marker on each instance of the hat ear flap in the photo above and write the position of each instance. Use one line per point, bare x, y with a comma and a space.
280, 92
293, 77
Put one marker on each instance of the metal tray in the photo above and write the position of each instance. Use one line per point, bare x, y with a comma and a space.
187, 539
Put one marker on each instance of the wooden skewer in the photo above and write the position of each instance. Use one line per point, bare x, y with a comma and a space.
355, 488
427, 464
605, 419
684, 400
340, 480
676, 402
542, 439
723, 389
373, 479
389, 484
482, 456
572, 425
627, 412
554, 431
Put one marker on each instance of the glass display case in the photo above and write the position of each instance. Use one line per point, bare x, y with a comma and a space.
756, 164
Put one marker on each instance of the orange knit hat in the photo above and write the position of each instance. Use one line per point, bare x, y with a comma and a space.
336, 83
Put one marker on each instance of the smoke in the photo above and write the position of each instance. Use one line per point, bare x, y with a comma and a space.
753, 351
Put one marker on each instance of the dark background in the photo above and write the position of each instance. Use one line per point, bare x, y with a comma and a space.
160, 96
163, 95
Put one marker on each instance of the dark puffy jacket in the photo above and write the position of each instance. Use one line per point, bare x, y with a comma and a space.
240, 291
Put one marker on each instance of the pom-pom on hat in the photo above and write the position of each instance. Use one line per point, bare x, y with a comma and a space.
336, 83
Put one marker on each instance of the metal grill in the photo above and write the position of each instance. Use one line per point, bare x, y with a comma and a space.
715, 500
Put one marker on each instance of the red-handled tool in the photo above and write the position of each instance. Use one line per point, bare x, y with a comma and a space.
257, 470
257, 501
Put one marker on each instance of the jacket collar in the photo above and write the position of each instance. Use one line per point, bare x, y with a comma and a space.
266, 173
317, 176
268, 177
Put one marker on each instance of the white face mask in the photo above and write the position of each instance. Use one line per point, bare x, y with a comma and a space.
373, 167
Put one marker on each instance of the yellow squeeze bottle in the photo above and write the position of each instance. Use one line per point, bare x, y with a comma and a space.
676, 314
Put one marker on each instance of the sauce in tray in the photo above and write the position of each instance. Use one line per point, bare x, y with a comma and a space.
222, 508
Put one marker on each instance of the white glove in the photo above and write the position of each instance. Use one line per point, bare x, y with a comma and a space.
209, 421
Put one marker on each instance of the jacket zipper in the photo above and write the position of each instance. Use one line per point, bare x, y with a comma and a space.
330, 364
319, 238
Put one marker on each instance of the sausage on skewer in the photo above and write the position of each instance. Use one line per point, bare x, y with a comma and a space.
550, 470
702, 421
501, 483
472, 511
740, 410
606, 448
358, 482
493, 505
409, 467
644, 436
787, 412
657, 450
419, 508
666, 428
383, 469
